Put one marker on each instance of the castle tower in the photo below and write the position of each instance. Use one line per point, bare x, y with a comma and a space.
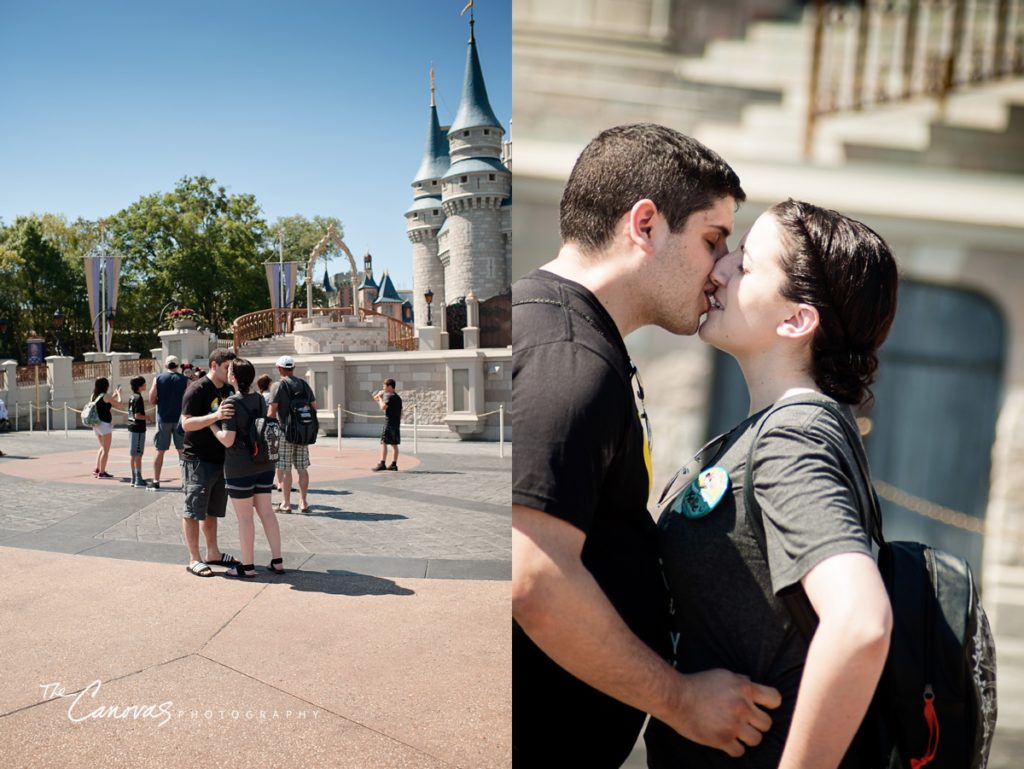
388, 301
368, 289
472, 245
424, 217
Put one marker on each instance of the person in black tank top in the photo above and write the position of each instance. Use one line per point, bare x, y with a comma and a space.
105, 429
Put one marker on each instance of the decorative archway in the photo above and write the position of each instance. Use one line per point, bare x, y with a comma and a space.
331, 237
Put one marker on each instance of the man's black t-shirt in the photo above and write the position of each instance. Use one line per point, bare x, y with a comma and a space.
580, 457
203, 397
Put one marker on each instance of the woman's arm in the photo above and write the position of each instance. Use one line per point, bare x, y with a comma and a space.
227, 437
844, 661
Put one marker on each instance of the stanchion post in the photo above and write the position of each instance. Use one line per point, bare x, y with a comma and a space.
17, 417
501, 431
415, 431
65, 419
339, 425
31, 419
48, 418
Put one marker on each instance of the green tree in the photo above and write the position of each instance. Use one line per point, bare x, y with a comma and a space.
39, 278
198, 247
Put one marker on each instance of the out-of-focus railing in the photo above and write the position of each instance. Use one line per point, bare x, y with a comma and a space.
82, 372
137, 367
26, 375
872, 52
264, 324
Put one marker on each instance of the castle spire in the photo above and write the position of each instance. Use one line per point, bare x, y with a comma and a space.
435, 154
474, 108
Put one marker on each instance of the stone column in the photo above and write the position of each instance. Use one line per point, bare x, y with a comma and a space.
471, 333
62, 388
430, 337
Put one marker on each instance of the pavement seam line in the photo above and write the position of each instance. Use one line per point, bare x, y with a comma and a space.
327, 710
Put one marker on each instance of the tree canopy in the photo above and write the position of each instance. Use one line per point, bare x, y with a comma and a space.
196, 246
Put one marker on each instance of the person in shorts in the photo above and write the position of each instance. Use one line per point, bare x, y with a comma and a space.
202, 464
390, 403
292, 454
105, 429
248, 480
137, 419
166, 393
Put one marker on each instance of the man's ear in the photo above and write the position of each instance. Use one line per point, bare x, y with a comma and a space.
640, 222
801, 324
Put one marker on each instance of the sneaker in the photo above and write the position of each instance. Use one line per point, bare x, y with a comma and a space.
393, 466
380, 466
155, 485
104, 474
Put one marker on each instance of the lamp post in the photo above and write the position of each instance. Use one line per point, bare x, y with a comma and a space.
429, 296
58, 327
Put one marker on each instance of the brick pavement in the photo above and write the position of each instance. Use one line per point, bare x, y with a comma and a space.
448, 514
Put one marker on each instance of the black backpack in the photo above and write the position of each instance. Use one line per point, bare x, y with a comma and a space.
264, 436
300, 421
935, 705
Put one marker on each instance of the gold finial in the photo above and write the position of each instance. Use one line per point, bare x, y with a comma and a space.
433, 103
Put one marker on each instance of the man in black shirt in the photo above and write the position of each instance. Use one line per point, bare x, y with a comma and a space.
644, 216
202, 464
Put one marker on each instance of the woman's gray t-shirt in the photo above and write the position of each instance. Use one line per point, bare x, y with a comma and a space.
238, 460
726, 610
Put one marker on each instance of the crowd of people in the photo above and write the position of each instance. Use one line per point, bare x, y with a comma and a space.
209, 416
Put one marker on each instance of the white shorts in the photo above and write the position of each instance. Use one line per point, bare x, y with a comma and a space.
103, 428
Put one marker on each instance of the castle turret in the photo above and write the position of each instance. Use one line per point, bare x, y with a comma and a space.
426, 215
368, 289
473, 190
388, 301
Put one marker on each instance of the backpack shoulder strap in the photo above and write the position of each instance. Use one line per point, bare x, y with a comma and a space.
795, 599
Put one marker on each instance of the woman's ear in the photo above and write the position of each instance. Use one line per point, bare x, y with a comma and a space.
801, 324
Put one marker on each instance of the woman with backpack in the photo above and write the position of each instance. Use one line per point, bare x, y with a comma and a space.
248, 473
104, 430
803, 304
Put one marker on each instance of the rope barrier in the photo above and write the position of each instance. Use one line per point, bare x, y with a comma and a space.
930, 510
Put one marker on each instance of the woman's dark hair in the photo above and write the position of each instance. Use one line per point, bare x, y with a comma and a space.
628, 163
244, 373
101, 386
263, 383
136, 382
846, 271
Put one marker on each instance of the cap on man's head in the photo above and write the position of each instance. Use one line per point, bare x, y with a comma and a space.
171, 361
286, 361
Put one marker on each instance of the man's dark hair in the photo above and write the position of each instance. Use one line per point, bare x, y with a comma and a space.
263, 383
136, 382
220, 355
628, 163
389, 382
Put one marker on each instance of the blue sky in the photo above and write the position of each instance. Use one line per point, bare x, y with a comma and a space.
314, 107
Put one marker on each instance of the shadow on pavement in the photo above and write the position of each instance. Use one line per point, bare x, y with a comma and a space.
333, 582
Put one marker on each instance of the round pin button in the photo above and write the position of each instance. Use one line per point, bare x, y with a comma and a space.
703, 494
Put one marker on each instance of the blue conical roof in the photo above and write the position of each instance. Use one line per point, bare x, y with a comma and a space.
475, 108
387, 291
435, 154
327, 281
368, 282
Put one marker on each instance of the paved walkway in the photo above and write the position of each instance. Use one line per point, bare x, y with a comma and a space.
386, 644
